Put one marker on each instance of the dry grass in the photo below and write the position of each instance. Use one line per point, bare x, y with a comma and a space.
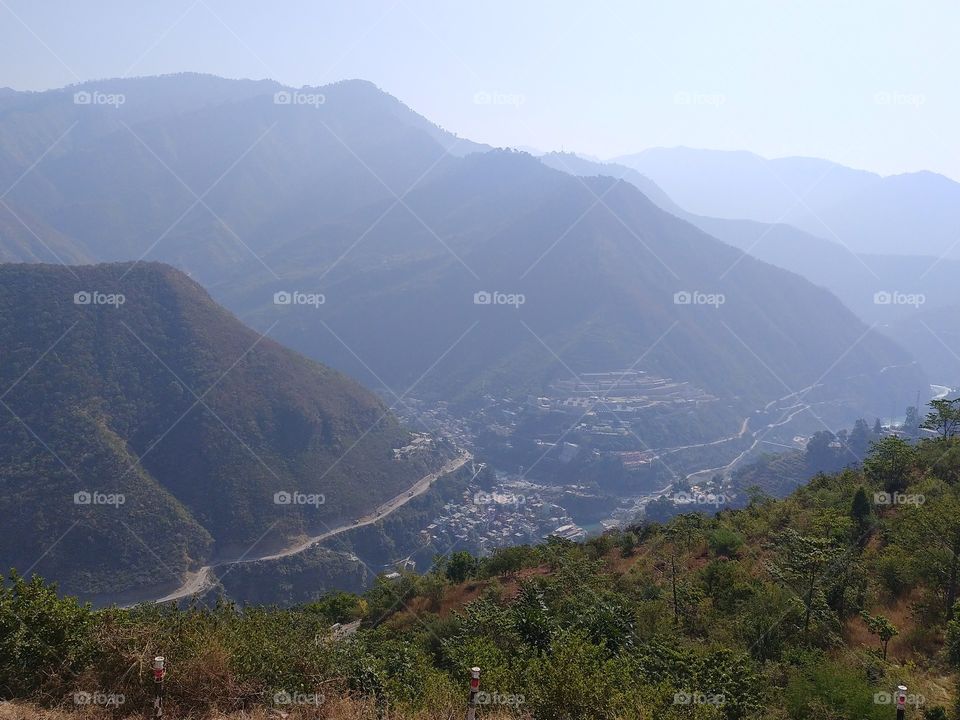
334, 709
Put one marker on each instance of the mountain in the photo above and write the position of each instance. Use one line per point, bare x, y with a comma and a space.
602, 287
205, 172
145, 430
886, 290
932, 333
577, 165
26, 238
739, 184
907, 214
345, 193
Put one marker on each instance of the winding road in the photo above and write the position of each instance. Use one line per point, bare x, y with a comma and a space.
201, 580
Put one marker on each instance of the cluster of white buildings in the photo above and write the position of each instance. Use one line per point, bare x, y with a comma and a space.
485, 521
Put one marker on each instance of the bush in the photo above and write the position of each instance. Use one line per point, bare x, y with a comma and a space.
726, 542
45, 640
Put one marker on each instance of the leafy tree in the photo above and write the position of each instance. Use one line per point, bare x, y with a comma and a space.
931, 532
890, 462
337, 607
944, 418
953, 637
725, 541
860, 513
859, 440
43, 638
877, 428
911, 422
821, 454
461, 566
881, 627
802, 563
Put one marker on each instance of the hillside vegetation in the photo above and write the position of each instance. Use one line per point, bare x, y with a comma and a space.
147, 435
814, 606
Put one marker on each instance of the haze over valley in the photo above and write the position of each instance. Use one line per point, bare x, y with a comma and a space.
346, 352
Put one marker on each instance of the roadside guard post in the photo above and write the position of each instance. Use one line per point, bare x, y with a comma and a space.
901, 701
158, 672
474, 691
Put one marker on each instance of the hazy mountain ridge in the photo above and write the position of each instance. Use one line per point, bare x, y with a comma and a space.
353, 197
884, 289
910, 213
599, 297
195, 420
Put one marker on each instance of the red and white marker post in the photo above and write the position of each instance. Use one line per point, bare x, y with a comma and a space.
901, 701
474, 691
159, 670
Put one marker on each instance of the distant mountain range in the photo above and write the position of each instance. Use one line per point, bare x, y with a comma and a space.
342, 191
145, 431
887, 290
909, 214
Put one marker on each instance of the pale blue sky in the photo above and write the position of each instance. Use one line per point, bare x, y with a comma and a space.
867, 83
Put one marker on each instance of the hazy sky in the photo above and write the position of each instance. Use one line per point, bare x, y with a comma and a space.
867, 83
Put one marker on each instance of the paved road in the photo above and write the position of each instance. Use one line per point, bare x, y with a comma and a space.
203, 579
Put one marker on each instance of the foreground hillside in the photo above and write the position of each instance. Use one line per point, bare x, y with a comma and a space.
145, 431
815, 606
